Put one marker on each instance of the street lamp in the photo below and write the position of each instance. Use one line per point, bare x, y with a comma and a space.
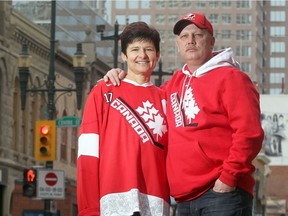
160, 73
24, 62
115, 37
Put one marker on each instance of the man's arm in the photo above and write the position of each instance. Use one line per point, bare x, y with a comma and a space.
115, 75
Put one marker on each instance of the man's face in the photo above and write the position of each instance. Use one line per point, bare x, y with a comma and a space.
195, 45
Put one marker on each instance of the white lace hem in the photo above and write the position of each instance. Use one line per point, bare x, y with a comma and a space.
122, 204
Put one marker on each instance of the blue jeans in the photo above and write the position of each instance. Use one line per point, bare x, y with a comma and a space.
235, 203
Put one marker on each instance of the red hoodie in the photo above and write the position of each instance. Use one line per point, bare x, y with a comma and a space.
214, 128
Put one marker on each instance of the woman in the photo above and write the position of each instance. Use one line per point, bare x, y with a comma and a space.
123, 137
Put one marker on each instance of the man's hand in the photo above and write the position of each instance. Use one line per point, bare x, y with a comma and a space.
115, 75
220, 187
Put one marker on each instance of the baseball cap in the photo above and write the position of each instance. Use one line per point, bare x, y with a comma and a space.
196, 18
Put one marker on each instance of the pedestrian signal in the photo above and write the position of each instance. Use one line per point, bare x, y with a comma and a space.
29, 182
45, 140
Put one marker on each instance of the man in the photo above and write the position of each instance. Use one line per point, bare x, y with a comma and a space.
214, 123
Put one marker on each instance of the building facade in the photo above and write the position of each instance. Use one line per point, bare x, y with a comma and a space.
17, 128
256, 30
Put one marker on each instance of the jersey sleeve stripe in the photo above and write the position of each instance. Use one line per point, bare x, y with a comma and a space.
88, 145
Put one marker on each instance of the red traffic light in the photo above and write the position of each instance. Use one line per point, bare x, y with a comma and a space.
44, 130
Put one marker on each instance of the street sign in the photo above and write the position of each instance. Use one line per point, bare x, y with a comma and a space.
68, 121
51, 184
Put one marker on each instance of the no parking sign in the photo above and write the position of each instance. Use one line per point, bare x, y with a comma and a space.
51, 184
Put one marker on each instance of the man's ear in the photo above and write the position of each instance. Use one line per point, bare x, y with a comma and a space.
158, 55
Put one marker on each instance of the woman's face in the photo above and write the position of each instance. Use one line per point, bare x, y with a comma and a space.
141, 57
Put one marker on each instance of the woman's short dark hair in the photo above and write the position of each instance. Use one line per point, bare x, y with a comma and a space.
139, 31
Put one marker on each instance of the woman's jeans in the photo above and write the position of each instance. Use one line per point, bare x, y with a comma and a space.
235, 203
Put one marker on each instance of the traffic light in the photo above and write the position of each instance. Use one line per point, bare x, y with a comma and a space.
29, 182
45, 140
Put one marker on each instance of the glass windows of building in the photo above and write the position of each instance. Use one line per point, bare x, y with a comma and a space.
120, 4
133, 4
243, 51
275, 91
243, 19
277, 31
172, 3
133, 18
160, 19
226, 3
277, 78
243, 4
226, 18
121, 19
173, 19
160, 4
226, 34
277, 62
200, 4
243, 34
145, 4
146, 18
213, 4
186, 4
277, 47
246, 67
213, 18
277, 16
278, 3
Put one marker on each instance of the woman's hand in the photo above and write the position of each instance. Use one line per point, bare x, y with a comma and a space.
115, 75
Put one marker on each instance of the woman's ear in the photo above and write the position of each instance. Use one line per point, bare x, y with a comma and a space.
124, 57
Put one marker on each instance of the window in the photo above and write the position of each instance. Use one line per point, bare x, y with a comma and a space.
121, 19
226, 3
120, 4
200, 4
275, 91
146, 18
133, 4
243, 35
243, 19
160, 19
145, 4
246, 67
64, 139
213, 18
243, 4
213, 4
278, 62
243, 51
277, 16
226, 34
226, 18
133, 18
278, 3
277, 47
277, 77
277, 31
160, 4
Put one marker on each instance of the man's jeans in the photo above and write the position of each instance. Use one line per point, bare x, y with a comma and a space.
235, 203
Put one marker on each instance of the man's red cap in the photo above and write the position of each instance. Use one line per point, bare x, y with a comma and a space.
196, 18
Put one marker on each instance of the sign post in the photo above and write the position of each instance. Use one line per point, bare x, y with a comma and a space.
51, 184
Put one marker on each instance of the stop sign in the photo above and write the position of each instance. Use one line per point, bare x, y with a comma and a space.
51, 179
